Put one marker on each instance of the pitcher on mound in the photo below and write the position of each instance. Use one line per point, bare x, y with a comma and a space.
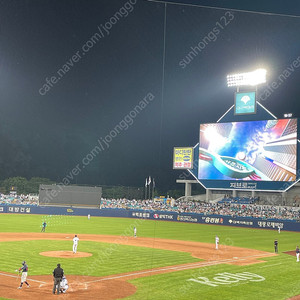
75, 243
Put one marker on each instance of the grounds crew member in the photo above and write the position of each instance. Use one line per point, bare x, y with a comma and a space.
24, 270
58, 274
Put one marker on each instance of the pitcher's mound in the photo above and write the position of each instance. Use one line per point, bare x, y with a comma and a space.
65, 254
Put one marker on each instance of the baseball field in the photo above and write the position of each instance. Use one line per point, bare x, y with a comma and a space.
167, 260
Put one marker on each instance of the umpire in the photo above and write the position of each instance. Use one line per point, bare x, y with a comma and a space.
58, 274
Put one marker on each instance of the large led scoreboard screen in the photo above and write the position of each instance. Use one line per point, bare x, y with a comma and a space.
248, 151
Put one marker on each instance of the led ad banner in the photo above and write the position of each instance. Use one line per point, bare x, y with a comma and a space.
55, 213
253, 151
244, 103
183, 158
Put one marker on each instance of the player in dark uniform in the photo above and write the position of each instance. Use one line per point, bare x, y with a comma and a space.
58, 274
276, 246
24, 270
44, 226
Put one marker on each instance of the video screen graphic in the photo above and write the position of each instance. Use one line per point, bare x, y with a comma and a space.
254, 150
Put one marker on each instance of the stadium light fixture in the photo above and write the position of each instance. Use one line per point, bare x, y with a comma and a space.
251, 78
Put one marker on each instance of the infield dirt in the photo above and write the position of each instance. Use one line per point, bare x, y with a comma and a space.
117, 286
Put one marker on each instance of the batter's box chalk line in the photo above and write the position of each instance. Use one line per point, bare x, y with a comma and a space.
78, 286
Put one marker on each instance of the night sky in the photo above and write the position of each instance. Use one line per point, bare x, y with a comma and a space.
73, 73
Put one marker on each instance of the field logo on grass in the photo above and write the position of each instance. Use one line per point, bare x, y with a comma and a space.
228, 278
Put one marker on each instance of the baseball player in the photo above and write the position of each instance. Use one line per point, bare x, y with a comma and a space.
75, 243
279, 229
24, 270
89, 216
217, 242
58, 274
276, 246
44, 226
297, 253
134, 232
64, 285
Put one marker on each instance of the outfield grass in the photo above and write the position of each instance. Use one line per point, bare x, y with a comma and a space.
260, 239
122, 259
280, 272
280, 283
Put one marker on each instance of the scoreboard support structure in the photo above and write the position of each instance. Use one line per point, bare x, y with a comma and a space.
188, 186
275, 180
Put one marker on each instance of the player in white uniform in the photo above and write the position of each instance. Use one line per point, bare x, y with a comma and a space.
279, 229
217, 242
134, 232
75, 243
64, 285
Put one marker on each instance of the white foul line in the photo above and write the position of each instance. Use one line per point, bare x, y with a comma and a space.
271, 265
8, 275
180, 268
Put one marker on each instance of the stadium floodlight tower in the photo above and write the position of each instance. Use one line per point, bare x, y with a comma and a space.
253, 78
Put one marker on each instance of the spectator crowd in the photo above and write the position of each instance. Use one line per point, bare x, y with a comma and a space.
223, 209
232, 208
19, 199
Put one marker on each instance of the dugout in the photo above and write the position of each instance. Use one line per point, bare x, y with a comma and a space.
63, 195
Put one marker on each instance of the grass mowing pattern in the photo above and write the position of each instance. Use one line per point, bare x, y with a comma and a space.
121, 259
281, 272
234, 236
280, 283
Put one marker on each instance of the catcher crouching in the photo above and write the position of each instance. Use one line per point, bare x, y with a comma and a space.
64, 285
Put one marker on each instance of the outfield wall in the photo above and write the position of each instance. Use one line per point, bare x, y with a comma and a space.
248, 222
